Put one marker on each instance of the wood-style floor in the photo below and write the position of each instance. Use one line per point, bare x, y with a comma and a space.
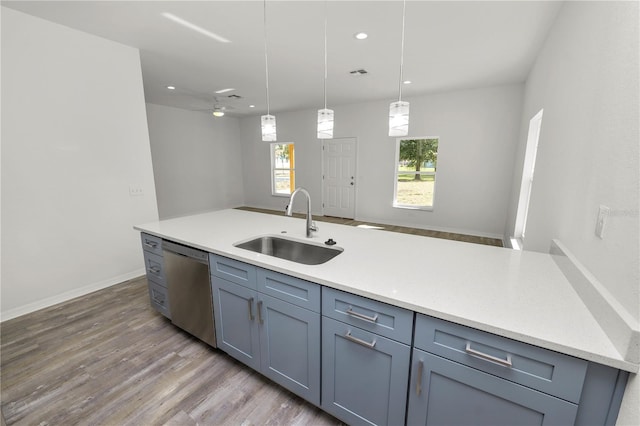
107, 358
392, 228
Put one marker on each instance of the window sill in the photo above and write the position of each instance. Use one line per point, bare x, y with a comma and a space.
423, 208
281, 195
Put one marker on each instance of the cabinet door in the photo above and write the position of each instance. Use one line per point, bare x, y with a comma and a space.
364, 375
444, 392
290, 346
236, 321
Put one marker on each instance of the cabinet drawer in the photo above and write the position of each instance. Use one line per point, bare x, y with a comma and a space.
293, 290
159, 298
233, 270
377, 317
547, 371
151, 243
154, 266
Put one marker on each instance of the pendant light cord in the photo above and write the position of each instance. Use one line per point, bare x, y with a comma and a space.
325, 54
266, 59
404, 6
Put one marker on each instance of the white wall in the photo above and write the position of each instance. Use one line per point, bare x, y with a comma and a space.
197, 161
478, 131
74, 137
586, 79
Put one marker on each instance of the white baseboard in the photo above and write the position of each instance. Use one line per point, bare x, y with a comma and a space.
623, 330
77, 292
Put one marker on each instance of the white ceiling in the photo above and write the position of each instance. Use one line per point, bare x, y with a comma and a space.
449, 45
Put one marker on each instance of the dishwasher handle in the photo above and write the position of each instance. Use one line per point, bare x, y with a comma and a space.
190, 252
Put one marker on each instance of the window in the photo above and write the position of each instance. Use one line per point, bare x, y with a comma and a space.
415, 176
282, 169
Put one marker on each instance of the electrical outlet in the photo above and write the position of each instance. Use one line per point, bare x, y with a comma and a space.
136, 190
603, 215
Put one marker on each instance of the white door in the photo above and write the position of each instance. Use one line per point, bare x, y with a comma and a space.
338, 177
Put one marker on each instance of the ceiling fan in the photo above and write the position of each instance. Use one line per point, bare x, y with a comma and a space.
221, 105
217, 105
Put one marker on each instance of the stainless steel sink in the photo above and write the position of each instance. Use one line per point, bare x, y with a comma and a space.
295, 251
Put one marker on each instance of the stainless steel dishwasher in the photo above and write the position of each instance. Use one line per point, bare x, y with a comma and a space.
187, 272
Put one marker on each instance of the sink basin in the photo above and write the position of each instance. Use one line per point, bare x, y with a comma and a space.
295, 251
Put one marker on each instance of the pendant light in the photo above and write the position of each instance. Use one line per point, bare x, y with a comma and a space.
399, 111
325, 116
267, 122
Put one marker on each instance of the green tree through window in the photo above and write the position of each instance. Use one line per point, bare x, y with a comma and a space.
415, 173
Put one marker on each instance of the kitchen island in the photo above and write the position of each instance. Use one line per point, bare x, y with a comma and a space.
511, 294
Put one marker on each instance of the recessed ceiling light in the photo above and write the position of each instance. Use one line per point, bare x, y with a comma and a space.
361, 35
194, 27
225, 90
171, 87
252, 106
406, 82
218, 113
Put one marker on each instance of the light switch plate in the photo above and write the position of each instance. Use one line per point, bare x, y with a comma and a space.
603, 215
136, 190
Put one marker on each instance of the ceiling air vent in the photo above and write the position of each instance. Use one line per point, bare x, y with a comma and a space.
358, 72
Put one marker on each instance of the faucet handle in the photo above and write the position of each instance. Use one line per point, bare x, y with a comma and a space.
313, 226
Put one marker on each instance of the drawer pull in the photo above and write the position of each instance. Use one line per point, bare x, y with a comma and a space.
154, 270
419, 380
505, 362
151, 244
251, 317
260, 320
359, 341
351, 312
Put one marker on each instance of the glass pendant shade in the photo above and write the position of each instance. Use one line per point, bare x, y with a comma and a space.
268, 123
325, 123
399, 118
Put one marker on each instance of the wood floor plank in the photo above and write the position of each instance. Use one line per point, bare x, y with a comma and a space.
108, 359
391, 228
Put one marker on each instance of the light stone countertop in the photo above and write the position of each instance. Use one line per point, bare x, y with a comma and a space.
516, 294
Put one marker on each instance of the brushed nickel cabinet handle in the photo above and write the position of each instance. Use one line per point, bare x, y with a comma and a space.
351, 312
505, 362
151, 244
419, 380
154, 270
251, 317
359, 341
260, 320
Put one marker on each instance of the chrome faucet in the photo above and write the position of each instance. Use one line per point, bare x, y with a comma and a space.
311, 225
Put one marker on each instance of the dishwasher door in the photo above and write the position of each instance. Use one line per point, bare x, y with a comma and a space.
187, 272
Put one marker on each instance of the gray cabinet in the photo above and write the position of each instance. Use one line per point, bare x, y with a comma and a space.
460, 375
445, 392
278, 336
154, 269
364, 374
290, 346
234, 310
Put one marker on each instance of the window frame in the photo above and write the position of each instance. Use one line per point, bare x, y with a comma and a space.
396, 172
292, 170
